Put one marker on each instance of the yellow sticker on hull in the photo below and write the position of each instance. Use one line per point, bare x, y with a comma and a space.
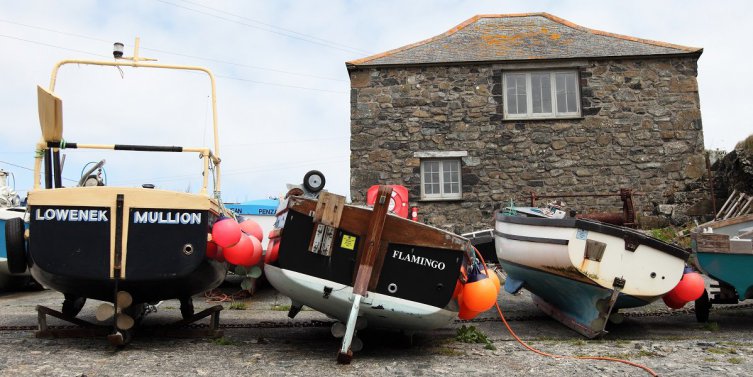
349, 242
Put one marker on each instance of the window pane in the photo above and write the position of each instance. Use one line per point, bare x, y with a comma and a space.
566, 93
516, 93
451, 175
541, 93
431, 177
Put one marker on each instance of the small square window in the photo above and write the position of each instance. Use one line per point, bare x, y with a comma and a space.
440, 179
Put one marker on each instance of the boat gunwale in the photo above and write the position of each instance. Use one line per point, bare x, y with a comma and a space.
590, 225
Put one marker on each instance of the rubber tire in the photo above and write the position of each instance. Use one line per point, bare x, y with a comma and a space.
308, 186
702, 307
186, 307
15, 245
72, 305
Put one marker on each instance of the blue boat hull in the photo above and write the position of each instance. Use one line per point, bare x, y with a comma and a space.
577, 304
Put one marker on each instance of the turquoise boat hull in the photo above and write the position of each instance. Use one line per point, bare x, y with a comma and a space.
735, 270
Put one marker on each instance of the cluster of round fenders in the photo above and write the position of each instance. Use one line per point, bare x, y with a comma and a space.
240, 243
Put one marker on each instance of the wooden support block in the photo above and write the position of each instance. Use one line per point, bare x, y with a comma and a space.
329, 209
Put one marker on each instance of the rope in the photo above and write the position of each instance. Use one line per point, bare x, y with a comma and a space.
216, 295
534, 350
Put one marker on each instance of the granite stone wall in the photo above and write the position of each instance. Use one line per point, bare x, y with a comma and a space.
640, 129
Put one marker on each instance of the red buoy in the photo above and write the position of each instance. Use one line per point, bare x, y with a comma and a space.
690, 287
242, 253
273, 249
257, 253
226, 232
211, 250
673, 302
252, 228
220, 257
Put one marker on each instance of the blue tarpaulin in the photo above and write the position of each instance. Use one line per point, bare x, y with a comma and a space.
260, 207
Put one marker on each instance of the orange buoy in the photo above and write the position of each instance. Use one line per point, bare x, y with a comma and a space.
479, 293
226, 232
495, 279
252, 228
464, 313
458, 289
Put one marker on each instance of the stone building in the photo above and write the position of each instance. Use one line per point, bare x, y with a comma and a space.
503, 105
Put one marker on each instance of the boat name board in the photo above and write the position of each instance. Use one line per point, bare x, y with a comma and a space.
71, 215
160, 217
422, 261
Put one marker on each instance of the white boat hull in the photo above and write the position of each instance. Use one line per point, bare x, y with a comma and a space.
379, 310
581, 271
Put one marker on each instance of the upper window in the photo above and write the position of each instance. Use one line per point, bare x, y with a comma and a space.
541, 94
440, 179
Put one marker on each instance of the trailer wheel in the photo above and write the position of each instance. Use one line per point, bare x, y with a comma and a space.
186, 307
15, 245
314, 181
702, 307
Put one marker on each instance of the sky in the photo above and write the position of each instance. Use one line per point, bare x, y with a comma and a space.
282, 86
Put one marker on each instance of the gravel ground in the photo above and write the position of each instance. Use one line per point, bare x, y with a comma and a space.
673, 344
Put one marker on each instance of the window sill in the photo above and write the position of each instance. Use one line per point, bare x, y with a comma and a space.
440, 200
516, 120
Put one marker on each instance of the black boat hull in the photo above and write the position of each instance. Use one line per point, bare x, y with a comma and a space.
206, 276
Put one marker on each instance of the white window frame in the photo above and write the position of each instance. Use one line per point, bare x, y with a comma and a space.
529, 96
442, 195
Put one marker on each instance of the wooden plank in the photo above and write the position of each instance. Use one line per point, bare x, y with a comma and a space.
732, 209
726, 204
329, 209
712, 243
372, 245
745, 208
727, 222
355, 220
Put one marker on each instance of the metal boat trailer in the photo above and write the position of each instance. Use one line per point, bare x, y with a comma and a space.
185, 328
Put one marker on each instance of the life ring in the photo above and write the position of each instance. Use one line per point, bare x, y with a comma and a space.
15, 245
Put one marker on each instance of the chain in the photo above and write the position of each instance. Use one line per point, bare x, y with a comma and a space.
318, 323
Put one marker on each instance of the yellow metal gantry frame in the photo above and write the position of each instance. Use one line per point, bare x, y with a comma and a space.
137, 61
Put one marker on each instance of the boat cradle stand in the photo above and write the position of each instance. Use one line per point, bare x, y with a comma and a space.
185, 328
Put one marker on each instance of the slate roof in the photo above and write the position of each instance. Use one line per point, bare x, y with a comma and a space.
520, 37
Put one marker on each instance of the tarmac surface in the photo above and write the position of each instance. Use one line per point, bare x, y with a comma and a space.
259, 339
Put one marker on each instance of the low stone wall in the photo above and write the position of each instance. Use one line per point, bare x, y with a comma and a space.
640, 129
